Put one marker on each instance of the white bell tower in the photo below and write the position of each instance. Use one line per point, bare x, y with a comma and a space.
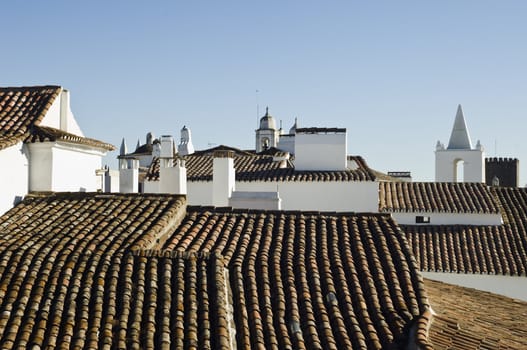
267, 135
459, 162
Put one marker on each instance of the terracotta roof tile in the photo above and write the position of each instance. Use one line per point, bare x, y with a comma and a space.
472, 319
44, 133
8, 140
263, 167
21, 107
310, 280
437, 197
92, 271
476, 249
21, 111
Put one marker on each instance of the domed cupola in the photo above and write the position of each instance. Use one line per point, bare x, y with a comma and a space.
267, 134
267, 121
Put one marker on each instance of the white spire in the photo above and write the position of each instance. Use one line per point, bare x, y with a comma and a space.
123, 149
459, 139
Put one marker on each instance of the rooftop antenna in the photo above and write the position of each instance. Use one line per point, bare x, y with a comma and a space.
257, 109
495, 147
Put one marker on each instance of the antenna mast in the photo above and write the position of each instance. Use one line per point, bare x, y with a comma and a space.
257, 109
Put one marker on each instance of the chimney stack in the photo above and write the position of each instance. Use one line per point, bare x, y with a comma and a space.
128, 175
223, 177
172, 172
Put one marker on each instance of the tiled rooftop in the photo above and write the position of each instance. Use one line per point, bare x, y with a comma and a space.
44, 133
21, 107
139, 271
21, 111
8, 140
310, 280
262, 167
476, 249
472, 319
436, 197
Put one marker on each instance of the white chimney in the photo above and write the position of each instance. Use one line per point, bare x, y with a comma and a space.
128, 175
223, 177
173, 179
64, 109
321, 149
167, 147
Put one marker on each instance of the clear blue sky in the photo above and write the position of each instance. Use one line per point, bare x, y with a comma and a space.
391, 72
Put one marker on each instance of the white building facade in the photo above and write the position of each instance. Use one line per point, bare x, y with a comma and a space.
44, 146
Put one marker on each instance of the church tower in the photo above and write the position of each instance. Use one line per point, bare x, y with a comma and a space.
267, 135
460, 162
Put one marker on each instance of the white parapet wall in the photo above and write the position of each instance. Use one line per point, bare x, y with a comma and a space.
14, 177
433, 218
320, 149
297, 195
510, 286
357, 196
151, 186
255, 200
56, 166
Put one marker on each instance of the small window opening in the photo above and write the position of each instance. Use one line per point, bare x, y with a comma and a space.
422, 219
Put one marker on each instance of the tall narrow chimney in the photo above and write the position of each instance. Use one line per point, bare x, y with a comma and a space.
128, 175
64, 109
223, 177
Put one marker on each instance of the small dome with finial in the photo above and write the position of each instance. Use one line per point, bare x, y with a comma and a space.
267, 121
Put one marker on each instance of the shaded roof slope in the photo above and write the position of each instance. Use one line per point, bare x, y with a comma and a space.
474, 248
311, 280
450, 197
468, 318
250, 166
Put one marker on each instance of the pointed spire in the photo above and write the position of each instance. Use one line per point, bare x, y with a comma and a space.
459, 139
267, 111
138, 145
123, 149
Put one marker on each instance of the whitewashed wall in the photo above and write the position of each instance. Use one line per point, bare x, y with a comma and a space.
61, 167
14, 175
322, 196
473, 166
74, 169
510, 286
297, 195
320, 151
151, 187
255, 200
199, 192
448, 218
59, 115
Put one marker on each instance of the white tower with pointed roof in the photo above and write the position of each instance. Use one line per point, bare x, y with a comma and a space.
460, 157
